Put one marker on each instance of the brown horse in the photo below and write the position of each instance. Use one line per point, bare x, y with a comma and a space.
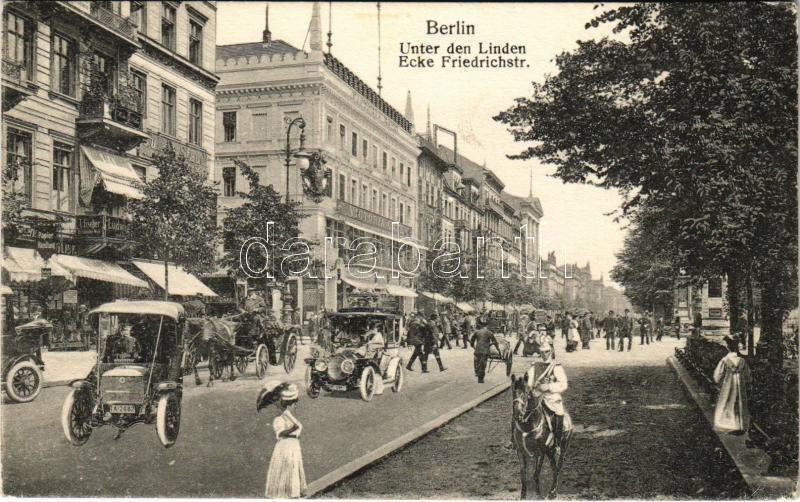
210, 338
530, 430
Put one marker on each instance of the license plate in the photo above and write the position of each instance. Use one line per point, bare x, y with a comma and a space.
123, 408
337, 387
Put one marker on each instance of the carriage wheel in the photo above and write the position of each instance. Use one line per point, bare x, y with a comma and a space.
241, 363
262, 360
289, 355
23, 382
168, 419
216, 367
509, 363
76, 414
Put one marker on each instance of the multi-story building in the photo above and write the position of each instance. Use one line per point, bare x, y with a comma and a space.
553, 284
369, 147
91, 89
708, 300
528, 215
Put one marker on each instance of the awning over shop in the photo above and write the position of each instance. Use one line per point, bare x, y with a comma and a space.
97, 270
396, 290
465, 307
114, 171
181, 282
437, 297
5, 290
25, 265
363, 285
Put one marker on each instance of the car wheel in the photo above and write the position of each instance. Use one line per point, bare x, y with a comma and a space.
23, 382
76, 414
168, 419
399, 378
262, 360
366, 384
289, 353
311, 389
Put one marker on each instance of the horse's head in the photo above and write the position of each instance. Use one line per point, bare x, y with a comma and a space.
521, 397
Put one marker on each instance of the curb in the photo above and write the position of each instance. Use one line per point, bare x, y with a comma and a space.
750, 462
327, 481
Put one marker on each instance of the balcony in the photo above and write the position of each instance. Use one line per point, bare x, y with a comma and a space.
14, 88
120, 25
372, 220
493, 205
98, 232
158, 142
111, 118
461, 224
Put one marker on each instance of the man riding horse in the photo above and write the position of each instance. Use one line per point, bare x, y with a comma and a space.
546, 378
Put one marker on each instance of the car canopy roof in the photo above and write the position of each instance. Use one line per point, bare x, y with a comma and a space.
141, 307
363, 313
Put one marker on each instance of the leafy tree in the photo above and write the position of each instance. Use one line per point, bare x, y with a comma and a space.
263, 213
693, 115
175, 221
14, 201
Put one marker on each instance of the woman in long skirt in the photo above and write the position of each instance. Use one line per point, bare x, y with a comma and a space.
733, 374
285, 476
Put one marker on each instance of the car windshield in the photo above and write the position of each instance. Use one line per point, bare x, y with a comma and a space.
132, 338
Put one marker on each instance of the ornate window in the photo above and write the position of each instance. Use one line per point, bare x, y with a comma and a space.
63, 65
229, 126
168, 110
195, 122
18, 43
195, 42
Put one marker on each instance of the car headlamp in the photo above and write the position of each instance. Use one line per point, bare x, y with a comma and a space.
348, 366
320, 365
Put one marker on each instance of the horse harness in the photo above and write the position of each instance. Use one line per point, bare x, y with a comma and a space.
527, 416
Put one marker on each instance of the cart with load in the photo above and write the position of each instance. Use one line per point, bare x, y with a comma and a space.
504, 357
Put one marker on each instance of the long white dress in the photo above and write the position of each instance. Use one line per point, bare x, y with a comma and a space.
573, 331
732, 410
286, 477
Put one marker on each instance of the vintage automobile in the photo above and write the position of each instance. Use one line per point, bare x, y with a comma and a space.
339, 361
22, 360
138, 375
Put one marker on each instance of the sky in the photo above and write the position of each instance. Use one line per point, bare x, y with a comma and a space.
463, 100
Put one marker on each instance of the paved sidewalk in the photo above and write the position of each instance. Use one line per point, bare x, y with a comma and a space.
752, 463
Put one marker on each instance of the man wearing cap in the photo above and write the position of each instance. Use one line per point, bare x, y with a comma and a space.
585, 330
565, 325
415, 338
625, 330
482, 341
431, 342
610, 327
546, 378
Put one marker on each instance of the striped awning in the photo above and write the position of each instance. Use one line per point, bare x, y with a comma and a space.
181, 282
96, 269
25, 265
362, 285
395, 290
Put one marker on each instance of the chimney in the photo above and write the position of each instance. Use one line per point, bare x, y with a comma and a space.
315, 31
267, 35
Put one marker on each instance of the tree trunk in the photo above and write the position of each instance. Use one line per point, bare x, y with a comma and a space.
750, 314
166, 278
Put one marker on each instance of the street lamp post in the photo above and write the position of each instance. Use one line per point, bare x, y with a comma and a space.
300, 155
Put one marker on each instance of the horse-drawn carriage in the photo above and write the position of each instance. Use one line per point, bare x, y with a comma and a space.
340, 362
22, 360
238, 340
138, 375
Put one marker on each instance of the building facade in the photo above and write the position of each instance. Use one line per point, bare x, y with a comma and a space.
369, 147
91, 90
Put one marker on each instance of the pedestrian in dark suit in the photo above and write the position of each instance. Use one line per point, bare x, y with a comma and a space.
467, 329
565, 326
415, 338
431, 342
585, 330
610, 328
625, 330
644, 329
482, 341
447, 330
659, 329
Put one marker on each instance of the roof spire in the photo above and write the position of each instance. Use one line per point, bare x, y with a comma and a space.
409, 114
267, 35
315, 30
380, 86
428, 127
330, 33
530, 191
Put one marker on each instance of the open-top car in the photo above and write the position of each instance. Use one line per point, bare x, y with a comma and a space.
342, 359
138, 375
22, 360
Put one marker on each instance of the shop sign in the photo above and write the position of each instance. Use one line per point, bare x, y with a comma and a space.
71, 297
715, 313
46, 239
